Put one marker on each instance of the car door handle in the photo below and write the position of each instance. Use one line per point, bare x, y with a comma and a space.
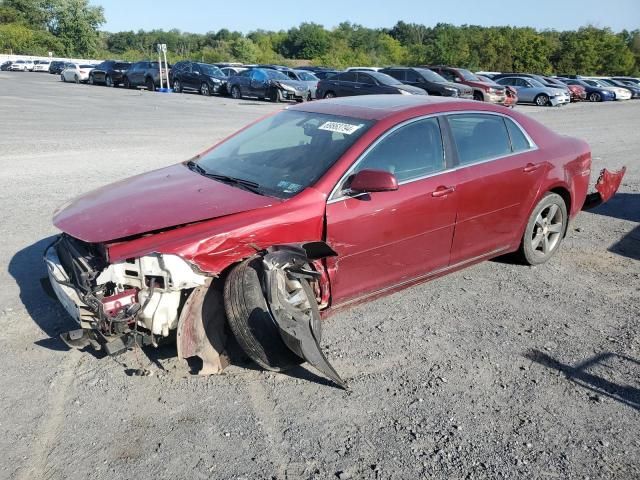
530, 167
442, 191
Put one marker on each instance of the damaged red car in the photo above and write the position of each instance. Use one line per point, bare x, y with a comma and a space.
312, 209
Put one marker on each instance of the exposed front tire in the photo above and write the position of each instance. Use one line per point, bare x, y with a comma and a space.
478, 96
545, 230
251, 321
177, 86
541, 100
108, 81
91, 80
76, 78
205, 90
275, 96
235, 93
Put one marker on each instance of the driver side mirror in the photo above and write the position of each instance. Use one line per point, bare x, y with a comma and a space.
366, 181
457, 79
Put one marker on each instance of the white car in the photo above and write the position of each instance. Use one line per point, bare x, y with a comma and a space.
76, 73
29, 65
18, 66
620, 93
42, 66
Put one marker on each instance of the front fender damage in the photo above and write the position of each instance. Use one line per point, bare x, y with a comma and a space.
606, 187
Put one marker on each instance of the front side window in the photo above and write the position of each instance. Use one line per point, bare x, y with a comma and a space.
479, 137
364, 78
410, 152
287, 152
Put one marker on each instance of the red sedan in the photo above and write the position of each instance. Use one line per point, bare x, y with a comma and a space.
315, 208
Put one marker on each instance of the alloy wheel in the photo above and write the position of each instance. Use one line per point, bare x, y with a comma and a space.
547, 231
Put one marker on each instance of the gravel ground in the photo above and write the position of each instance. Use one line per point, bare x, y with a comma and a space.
497, 371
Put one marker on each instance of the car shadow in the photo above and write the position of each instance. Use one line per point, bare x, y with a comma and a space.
581, 375
30, 274
624, 206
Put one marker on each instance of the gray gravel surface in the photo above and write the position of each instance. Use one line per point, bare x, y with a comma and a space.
497, 371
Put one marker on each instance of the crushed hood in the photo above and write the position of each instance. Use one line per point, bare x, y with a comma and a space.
152, 201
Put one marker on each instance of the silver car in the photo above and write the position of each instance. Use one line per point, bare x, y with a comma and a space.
531, 90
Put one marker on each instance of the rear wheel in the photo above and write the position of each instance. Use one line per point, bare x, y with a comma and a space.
235, 92
329, 95
91, 80
595, 97
545, 229
151, 86
62, 78
250, 318
76, 78
177, 86
108, 82
541, 100
126, 82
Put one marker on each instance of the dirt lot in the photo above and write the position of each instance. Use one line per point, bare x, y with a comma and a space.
498, 371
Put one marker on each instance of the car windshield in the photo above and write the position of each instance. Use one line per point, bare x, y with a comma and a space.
384, 78
467, 75
596, 83
285, 153
431, 76
307, 77
211, 70
275, 74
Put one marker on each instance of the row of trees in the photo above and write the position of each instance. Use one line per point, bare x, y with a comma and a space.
71, 28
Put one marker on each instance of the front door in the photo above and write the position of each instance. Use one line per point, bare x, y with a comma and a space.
389, 238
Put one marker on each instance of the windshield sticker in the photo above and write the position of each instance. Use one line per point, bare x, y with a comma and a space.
338, 127
289, 187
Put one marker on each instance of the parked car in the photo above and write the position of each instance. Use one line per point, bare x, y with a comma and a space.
5, 66
56, 67
577, 93
429, 81
144, 74
628, 80
41, 66
531, 91
254, 235
109, 73
198, 77
321, 72
74, 72
619, 92
634, 90
482, 91
29, 65
267, 83
368, 82
305, 77
594, 94
18, 66
364, 69
540, 78
511, 93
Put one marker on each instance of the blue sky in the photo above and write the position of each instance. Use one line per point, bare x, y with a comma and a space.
200, 16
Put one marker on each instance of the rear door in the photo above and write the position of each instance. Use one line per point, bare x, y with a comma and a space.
386, 239
346, 84
500, 174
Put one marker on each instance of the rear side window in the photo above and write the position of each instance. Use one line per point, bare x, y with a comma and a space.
397, 74
479, 137
412, 151
519, 142
346, 77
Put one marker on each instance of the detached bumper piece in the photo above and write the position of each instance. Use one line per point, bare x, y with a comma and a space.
606, 187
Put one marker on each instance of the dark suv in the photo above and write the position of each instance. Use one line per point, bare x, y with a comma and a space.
356, 82
429, 81
197, 77
109, 73
143, 74
482, 91
56, 67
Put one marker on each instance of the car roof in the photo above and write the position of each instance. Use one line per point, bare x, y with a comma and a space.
377, 107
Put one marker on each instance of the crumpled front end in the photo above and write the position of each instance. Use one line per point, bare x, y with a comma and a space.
118, 304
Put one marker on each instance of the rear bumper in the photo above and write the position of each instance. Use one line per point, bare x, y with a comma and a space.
606, 187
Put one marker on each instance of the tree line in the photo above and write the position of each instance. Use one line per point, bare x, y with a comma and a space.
72, 28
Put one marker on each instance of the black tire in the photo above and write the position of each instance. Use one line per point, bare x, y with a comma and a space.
150, 84
126, 82
595, 97
91, 80
275, 96
537, 255
76, 78
250, 319
62, 78
478, 96
541, 100
108, 81
329, 94
236, 93
205, 90
177, 86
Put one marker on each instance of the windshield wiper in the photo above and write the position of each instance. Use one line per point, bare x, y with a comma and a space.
246, 184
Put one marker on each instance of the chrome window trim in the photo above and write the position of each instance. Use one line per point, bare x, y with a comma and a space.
532, 144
